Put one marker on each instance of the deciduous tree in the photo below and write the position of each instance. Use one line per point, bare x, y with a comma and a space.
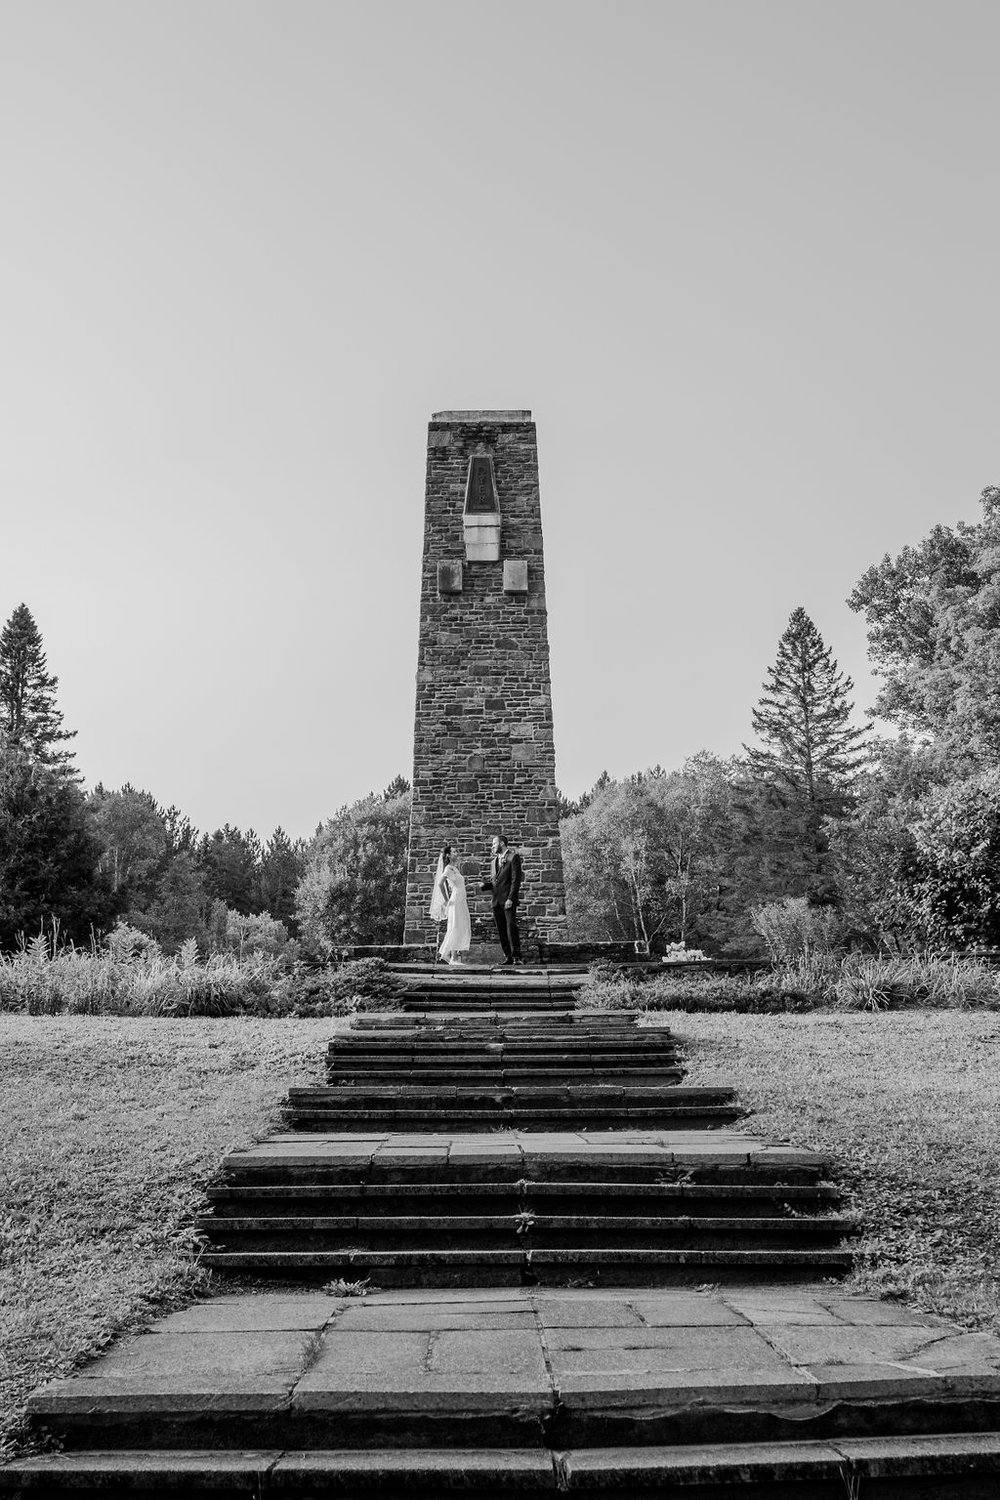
353, 888
873, 849
933, 617
134, 839
646, 858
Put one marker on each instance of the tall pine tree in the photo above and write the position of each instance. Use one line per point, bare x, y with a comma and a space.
809, 750
29, 718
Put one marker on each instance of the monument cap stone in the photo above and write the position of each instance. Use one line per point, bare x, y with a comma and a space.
481, 416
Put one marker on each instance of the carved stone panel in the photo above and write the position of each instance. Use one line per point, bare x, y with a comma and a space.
515, 576
449, 576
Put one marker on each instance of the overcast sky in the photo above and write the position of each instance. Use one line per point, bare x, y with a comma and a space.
739, 259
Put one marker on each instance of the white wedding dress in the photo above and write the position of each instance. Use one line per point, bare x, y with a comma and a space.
458, 933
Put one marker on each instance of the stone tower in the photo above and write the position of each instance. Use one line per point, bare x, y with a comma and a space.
483, 750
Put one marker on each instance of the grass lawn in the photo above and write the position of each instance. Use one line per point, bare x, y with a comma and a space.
908, 1103
108, 1129
110, 1126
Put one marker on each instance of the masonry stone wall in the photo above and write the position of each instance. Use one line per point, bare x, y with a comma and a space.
483, 753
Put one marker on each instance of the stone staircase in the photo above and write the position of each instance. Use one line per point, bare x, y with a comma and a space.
476, 988
491, 1072
573, 1288
442, 1208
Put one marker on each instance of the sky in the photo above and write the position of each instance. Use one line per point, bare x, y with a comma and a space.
738, 257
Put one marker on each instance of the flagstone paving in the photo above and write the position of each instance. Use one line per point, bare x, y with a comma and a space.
630, 1355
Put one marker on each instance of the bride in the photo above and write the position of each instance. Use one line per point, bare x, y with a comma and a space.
449, 900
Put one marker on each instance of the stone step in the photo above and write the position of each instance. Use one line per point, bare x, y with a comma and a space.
494, 967
486, 989
623, 1043
613, 1198
497, 1053
556, 1044
461, 1005
541, 1025
622, 1049
365, 1104
529, 1367
317, 1096
328, 1171
503, 988
495, 999
499, 976
940, 1466
547, 1032
346, 1116
555, 1267
543, 1231
630, 1155
262, 1168
488, 1077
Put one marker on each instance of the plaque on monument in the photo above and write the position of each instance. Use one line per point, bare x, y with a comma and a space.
481, 522
515, 576
481, 491
449, 577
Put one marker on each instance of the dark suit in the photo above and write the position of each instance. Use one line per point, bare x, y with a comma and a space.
505, 883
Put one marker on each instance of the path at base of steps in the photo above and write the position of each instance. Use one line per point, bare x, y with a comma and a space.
617, 1303
574, 1390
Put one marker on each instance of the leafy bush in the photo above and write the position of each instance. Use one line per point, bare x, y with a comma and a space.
954, 879
366, 984
609, 986
739, 993
793, 927
231, 931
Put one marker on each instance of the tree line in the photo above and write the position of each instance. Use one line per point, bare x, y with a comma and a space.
890, 841
76, 861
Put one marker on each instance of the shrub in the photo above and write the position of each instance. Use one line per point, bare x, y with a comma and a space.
894, 983
131, 976
365, 984
813, 980
792, 927
231, 931
609, 986
739, 993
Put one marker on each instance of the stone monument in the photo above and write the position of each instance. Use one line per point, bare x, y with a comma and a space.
483, 748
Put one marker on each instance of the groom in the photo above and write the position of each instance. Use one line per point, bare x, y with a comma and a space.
505, 883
